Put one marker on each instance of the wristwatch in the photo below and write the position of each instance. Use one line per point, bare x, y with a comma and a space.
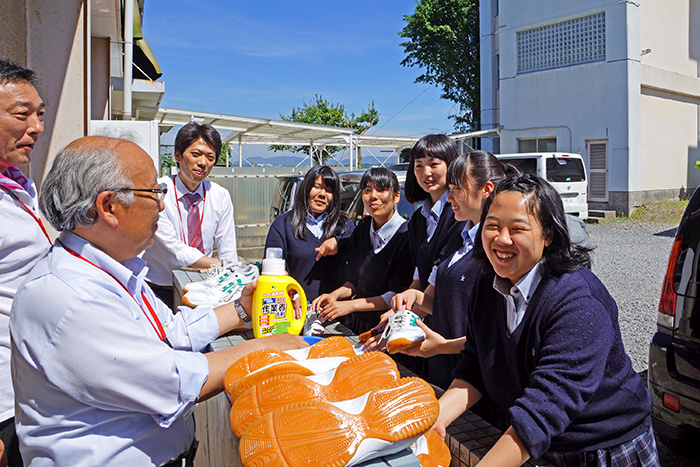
241, 312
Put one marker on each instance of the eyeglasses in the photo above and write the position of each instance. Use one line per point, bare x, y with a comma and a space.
161, 191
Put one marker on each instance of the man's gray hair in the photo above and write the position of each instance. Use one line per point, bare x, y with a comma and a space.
81, 171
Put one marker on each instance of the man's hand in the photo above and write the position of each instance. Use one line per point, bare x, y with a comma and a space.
246, 299
328, 247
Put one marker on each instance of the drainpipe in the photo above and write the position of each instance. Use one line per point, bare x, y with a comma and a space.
128, 56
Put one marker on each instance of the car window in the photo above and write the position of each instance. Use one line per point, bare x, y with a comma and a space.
565, 169
524, 165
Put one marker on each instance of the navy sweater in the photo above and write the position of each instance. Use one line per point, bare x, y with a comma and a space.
316, 277
453, 287
563, 375
373, 275
425, 254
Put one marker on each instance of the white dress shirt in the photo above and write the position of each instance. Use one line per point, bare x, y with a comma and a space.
468, 237
22, 244
432, 215
170, 250
380, 238
94, 383
518, 296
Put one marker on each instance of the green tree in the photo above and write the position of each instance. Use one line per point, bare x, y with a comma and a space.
321, 112
223, 155
166, 157
443, 38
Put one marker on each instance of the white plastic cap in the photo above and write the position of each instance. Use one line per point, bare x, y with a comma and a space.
273, 264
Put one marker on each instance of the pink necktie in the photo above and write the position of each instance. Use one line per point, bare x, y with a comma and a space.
194, 228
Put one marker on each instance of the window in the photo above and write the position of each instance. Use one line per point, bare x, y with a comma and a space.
572, 42
564, 169
537, 145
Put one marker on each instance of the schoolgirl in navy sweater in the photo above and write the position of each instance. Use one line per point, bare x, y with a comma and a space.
543, 341
471, 178
376, 255
430, 227
315, 216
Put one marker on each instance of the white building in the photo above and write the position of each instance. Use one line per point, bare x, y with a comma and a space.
616, 81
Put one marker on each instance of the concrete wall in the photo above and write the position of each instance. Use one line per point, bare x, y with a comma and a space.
670, 88
56, 50
13, 30
99, 76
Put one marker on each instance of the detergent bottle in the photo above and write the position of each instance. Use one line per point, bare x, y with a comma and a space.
273, 306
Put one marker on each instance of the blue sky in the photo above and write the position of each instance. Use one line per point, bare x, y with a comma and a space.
260, 59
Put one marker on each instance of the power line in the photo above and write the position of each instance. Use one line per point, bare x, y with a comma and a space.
404, 108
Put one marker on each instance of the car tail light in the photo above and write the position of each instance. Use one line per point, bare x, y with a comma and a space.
667, 304
672, 402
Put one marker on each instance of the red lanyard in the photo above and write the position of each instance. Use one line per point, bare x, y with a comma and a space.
182, 225
14, 196
155, 323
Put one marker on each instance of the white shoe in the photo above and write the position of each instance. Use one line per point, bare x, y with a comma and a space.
225, 293
313, 326
219, 276
402, 332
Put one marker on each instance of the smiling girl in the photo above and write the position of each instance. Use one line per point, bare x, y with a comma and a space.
543, 342
471, 179
378, 264
315, 216
430, 227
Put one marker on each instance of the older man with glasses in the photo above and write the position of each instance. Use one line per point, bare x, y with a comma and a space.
104, 373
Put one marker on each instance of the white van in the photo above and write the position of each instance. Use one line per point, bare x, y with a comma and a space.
566, 172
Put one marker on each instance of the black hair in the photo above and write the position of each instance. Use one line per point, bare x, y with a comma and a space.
336, 222
10, 72
192, 132
479, 167
381, 178
438, 146
543, 202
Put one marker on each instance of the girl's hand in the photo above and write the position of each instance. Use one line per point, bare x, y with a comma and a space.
335, 309
321, 301
328, 247
405, 299
373, 342
432, 345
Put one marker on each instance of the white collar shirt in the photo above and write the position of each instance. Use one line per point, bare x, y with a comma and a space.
22, 244
315, 224
433, 212
518, 296
94, 383
170, 249
380, 237
468, 233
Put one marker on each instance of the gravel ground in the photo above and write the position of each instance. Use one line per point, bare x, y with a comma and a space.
630, 259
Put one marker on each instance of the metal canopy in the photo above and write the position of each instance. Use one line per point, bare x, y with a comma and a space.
250, 130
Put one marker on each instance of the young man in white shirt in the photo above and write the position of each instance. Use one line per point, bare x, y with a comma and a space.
197, 213
22, 237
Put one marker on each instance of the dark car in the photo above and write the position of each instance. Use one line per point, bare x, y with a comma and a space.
350, 196
674, 354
